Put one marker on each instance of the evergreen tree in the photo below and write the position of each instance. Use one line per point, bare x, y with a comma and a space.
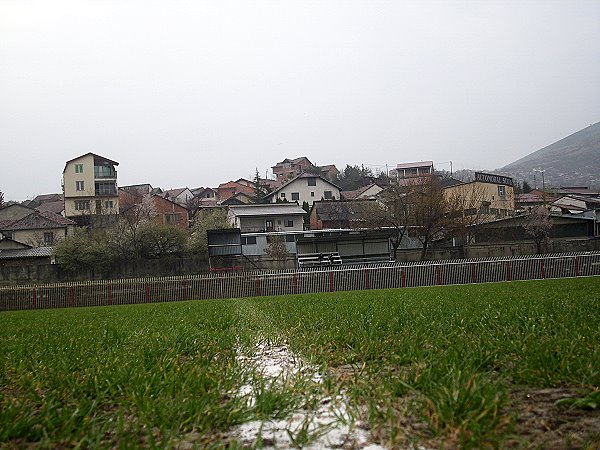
261, 190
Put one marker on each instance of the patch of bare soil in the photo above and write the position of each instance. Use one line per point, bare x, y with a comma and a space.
541, 424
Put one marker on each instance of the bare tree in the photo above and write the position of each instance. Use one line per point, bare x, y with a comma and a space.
276, 248
136, 210
538, 225
390, 212
466, 211
428, 212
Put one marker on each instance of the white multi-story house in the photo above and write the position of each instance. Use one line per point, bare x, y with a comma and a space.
90, 187
306, 187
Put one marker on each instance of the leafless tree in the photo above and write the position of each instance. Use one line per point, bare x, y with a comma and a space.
538, 225
428, 212
390, 212
276, 248
465, 212
135, 210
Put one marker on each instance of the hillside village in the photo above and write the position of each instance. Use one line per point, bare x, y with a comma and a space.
322, 215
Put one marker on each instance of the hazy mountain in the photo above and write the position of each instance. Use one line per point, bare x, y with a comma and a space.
572, 161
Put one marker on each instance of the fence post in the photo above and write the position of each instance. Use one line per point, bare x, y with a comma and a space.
258, 287
438, 274
295, 284
508, 271
473, 273
147, 293
330, 281
403, 278
34, 298
367, 286
184, 284
110, 297
71, 296
542, 269
576, 261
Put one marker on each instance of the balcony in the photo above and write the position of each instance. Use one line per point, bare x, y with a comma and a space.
104, 172
106, 189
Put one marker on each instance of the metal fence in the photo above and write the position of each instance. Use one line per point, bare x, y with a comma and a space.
324, 279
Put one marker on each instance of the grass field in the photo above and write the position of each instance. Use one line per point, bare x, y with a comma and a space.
493, 365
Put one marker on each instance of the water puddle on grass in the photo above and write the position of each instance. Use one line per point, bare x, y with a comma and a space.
329, 425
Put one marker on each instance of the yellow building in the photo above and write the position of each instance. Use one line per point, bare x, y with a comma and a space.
90, 187
489, 196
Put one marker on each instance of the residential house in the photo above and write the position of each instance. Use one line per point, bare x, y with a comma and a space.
154, 207
181, 196
329, 172
57, 207
290, 168
141, 189
14, 212
490, 196
306, 187
38, 229
369, 191
344, 214
412, 170
266, 217
170, 213
238, 199
43, 199
231, 188
90, 188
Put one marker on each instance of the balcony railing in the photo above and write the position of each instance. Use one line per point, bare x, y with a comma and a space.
104, 172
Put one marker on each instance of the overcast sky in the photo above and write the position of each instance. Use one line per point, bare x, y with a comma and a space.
199, 93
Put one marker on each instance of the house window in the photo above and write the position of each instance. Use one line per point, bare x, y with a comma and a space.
249, 240
269, 225
502, 191
78, 168
172, 219
312, 194
48, 237
312, 181
295, 196
289, 223
282, 195
327, 195
289, 238
82, 205
79, 186
108, 204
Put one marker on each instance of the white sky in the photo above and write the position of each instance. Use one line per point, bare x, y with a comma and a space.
198, 93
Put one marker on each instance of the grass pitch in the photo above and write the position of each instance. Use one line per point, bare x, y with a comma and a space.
491, 365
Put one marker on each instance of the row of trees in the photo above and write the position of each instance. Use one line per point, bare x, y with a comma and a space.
135, 235
422, 211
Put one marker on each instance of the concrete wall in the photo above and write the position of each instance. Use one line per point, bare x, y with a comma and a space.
500, 250
37, 271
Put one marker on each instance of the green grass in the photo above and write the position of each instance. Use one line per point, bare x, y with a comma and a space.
147, 375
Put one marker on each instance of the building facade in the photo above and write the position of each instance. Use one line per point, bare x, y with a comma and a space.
90, 188
307, 188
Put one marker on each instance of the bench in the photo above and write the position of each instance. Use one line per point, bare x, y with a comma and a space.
319, 259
